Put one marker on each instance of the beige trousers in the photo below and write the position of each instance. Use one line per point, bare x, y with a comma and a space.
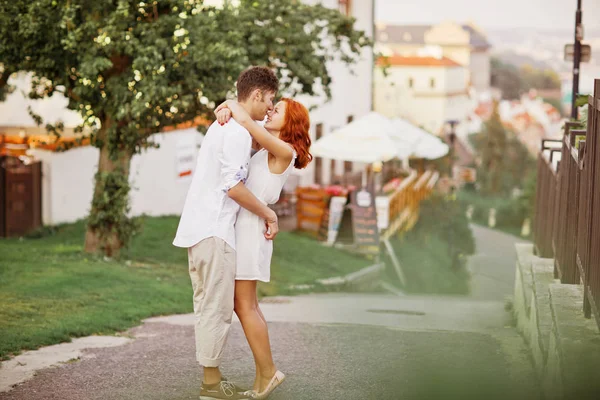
212, 271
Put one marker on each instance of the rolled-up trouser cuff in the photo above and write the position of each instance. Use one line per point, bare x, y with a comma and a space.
208, 362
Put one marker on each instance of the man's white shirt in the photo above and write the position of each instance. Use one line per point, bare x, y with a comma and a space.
222, 163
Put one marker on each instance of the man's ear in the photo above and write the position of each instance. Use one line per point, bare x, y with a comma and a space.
257, 95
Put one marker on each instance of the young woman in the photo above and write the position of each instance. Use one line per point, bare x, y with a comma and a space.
284, 144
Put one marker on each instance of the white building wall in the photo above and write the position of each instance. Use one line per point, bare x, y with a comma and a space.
480, 70
67, 183
157, 188
351, 92
423, 105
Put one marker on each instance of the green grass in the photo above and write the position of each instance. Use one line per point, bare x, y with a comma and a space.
508, 217
51, 291
427, 267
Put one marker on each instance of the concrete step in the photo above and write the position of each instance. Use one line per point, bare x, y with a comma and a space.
573, 362
540, 316
523, 287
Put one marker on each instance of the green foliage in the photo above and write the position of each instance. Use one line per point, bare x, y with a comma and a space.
446, 216
112, 208
515, 81
507, 78
130, 68
510, 212
505, 161
582, 104
506, 166
540, 79
492, 148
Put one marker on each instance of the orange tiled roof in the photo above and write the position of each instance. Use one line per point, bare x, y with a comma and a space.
484, 110
198, 121
49, 142
414, 61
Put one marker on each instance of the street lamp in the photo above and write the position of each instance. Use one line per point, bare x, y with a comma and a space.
576, 59
451, 140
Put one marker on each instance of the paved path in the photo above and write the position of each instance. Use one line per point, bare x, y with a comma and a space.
493, 266
332, 346
388, 348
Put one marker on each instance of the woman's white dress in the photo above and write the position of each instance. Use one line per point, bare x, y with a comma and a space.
254, 252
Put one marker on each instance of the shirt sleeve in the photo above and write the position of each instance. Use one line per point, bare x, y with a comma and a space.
234, 158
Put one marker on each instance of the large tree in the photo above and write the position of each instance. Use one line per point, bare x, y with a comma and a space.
132, 67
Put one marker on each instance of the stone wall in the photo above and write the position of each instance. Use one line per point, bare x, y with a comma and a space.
565, 346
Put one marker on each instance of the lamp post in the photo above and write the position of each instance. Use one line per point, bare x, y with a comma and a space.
576, 58
453, 252
451, 140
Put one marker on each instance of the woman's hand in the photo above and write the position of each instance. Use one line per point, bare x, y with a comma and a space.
235, 110
223, 115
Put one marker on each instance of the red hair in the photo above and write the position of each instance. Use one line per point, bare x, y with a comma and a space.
295, 131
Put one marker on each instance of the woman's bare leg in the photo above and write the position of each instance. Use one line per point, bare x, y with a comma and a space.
256, 331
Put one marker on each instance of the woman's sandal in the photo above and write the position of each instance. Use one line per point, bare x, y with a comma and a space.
277, 379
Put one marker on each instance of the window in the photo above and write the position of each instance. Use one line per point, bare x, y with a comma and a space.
345, 7
411, 82
347, 167
319, 160
432, 83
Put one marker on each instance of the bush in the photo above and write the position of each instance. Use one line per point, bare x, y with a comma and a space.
433, 255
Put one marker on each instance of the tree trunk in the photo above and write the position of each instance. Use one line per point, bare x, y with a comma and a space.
108, 243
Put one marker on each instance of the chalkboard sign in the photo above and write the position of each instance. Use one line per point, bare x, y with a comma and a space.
364, 218
330, 221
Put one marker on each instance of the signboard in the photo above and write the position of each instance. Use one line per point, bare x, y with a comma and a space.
331, 219
364, 218
586, 52
336, 211
382, 206
185, 156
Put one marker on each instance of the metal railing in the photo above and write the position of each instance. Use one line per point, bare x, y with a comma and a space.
567, 215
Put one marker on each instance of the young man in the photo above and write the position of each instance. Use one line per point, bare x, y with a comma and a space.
206, 227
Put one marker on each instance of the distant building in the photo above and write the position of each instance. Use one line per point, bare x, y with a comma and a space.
530, 118
465, 44
426, 90
352, 96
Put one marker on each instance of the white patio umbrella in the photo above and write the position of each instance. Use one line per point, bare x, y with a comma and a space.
416, 142
431, 149
366, 140
406, 136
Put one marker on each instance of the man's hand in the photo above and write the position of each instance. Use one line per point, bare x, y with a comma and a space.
272, 225
241, 195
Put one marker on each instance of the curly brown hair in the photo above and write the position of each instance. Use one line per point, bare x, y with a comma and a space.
253, 78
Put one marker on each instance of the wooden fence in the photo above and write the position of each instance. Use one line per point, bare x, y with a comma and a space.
20, 197
567, 217
404, 203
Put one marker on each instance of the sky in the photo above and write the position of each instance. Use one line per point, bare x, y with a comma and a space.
489, 14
